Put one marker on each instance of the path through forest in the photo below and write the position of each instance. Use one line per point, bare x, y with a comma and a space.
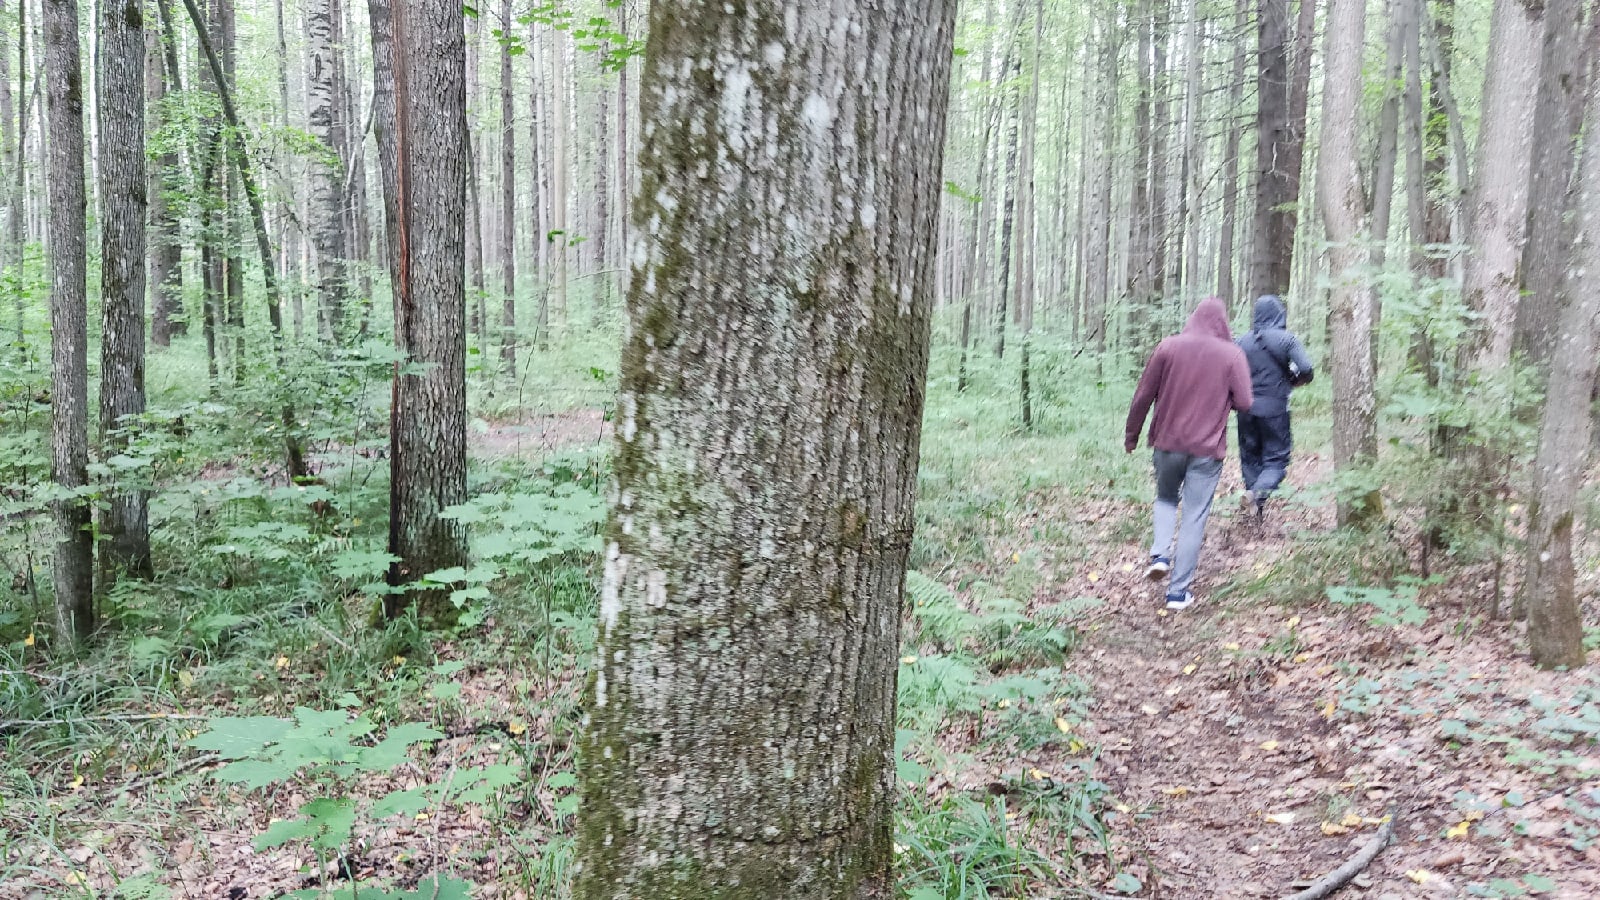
1254, 747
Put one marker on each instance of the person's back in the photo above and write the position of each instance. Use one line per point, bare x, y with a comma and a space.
1278, 365
1192, 379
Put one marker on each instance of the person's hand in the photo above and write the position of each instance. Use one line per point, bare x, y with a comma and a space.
1129, 446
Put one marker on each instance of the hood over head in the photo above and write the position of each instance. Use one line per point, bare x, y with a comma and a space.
1270, 313
1210, 318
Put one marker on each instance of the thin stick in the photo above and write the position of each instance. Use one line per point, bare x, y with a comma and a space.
147, 717
1338, 878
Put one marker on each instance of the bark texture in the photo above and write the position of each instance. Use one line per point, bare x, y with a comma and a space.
1352, 305
1566, 431
508, 200
125, 520
1280, 151
323, 95
755, 557
69, 327
166, 245
1498, 208
428, 428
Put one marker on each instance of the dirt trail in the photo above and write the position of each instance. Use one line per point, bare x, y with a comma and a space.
1225, 736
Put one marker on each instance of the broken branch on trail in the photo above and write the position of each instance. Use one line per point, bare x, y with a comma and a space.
1338, 878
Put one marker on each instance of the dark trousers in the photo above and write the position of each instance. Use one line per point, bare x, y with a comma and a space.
1264, 445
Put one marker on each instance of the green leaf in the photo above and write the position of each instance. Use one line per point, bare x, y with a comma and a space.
1539, 884
402, 803
334, 818
280, 833
1126, 884
255, 774
392, 750
236, 738
562, 780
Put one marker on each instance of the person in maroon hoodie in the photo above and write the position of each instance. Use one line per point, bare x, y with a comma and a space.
1194, 379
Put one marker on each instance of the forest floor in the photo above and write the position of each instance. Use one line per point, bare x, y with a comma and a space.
1253, 748
1247, 745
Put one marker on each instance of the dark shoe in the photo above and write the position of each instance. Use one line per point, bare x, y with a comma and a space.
1159, 568
1180, 601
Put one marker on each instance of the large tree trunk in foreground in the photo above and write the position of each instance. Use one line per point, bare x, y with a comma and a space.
428, 425
1555, 619
69, 326
756, 552
1352, 305
125, 521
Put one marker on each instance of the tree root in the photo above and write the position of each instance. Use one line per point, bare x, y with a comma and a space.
1338, 878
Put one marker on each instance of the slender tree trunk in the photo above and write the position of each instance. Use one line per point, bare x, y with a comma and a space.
478, 300
1388, 151
125, 519
1008, 214
428, 425
12, 145
69, 328
1558, 116
380, 16
1186, 230
508, 200
795, 581
1355, 435
1098, 280
166, 251
1137, 293
602, 192
1226, 263
327, 167
560, 168
1027, 246
624, 187
233, 265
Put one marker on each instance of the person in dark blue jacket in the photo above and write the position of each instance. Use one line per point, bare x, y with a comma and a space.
1278, 364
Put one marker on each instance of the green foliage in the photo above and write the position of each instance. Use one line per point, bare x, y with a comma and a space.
1392, 607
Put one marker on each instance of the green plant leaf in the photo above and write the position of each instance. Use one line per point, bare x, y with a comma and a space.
236, 738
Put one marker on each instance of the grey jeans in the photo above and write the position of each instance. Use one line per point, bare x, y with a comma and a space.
1191, 480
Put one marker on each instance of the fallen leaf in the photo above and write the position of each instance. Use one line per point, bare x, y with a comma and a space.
1016, 557
517, 728
1459, 830
1231, 646
1269, 746
77, 782
1327, 710
1189, 669
1162, 613
1062, 725
186, 679
1350, 820
28, 641
1284, 818
1301, 657
1149, 710
422, 817
1093, 577
907, 660
1178, 790
1420, 876
1005, 703
1332, 828
1037, 774
283, 662
1293, 621
1127, 567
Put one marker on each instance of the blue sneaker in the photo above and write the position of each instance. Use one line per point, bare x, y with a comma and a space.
1180, 601
1159, 568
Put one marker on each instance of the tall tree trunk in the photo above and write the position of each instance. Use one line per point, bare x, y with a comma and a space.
1098, 234
1028, 243
69, 328
1388, 150
428, 424
166, 250
1226, 263
233, 265
1280, 127
1186, 228
477, 301
1141, 238
560, 240
602, 192
327, 167
380, 16
12, 140
1558, 116
508, 200
1555, 619
1355, 434
732, 576
1498, 208
125, 519
1008, 214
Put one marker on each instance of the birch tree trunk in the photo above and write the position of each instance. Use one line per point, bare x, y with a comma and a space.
69, 327
125, 519
327, 165
1355, 435
1555, 619
756, 553
428, 425
166, 250
558, 240
11, 147
508, 200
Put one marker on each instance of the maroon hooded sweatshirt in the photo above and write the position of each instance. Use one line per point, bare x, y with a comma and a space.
1194, 379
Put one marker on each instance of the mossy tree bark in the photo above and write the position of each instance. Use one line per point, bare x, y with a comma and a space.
125, 520
741, 716
1555, 619
428, 425
69, 327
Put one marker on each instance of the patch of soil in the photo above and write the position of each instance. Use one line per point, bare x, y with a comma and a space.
539, 435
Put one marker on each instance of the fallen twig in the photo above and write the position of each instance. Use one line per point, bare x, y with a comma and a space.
1341, 876
8, 724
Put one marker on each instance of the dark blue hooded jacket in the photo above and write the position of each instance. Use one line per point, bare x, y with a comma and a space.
1277, 361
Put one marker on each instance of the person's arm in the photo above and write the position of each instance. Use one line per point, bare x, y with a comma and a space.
1143, 396
1239, 390
1300, 372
